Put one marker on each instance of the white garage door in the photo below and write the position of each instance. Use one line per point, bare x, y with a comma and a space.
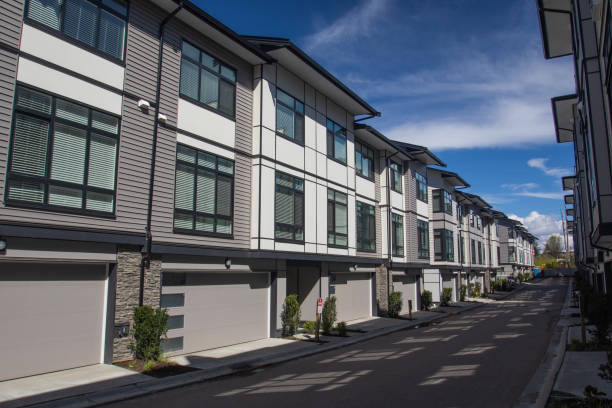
353, 293
406, 285
210, 310
52, 317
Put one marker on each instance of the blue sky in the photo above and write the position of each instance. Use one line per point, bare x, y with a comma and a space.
467, 78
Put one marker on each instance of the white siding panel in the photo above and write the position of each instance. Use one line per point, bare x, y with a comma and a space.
289, 152
365, 187
336, 172
397, 200
310, 221
422, 209
205, 123
267, 202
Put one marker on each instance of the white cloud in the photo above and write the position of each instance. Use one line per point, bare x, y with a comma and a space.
540, 225
550, 196
517, 187
540, 163
357, 22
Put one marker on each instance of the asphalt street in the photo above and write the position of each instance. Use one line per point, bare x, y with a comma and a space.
481, 358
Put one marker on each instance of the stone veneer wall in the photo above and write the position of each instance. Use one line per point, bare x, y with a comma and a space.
382, 289
127, 295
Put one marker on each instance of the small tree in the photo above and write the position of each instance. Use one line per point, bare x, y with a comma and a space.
395, 304
426, 299
447, 295
553, 246
329, 314
150, 325
290, 315
462, 293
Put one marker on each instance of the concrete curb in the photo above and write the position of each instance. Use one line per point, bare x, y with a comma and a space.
538, 390
138, 389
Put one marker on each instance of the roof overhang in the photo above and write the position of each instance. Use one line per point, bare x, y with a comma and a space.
563, 115
556, 27
478, 200
212, 28
377, 140
568, 182
569, 199
569, 212
452, 178
297, 61
420, 153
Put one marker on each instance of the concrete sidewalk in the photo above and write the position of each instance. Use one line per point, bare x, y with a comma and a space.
93, 390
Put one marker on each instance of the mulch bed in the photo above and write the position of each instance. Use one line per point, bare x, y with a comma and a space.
160, 370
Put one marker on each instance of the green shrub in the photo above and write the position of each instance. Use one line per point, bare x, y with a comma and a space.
426, 300
395, 304
341, 327
447, 295
329, 315
477, 288
150, 325
290, 315
462, 292
309, 326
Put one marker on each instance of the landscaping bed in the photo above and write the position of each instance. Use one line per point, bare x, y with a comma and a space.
157, 369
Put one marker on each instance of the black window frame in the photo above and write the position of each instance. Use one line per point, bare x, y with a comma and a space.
423, 239
480, 253
195, 213
511, 254
331, 228
442, 201
331, 140
460, 214
359, 148
447, 245
296, 113
296, 193
397, 223
46, 180
461, 250
421, 187
498, 255
68, 38
395, 176
363, 209
220, 77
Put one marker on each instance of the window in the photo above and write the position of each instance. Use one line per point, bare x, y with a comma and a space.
510, 233
471, 216
63, 155
207, 81
99, 24
462, 250
366, 227
397, 248
337, 218
289, 208
289, 117
478, 225
480, 253
473, 252
443, 245
498, 254
421, 187
364, 161
203, 198
336, 141
396, 177
511, 256
460, 214
172, 300
423, 234
442, 201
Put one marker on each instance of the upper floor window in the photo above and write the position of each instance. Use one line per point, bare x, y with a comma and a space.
444, 245
289, 117
421, 187
207, 81
366, 227
337, 218
511, 254
336, 141
63, 155
397, 248
473, 252
289, 208
471, 216
462, 250
442, 201
204, 192
510, 233
460, 214
480, 252
498, 254
396, 176
99, 24
364, 161
423, 237
478, 225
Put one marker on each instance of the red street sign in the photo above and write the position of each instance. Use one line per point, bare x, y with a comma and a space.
319, 305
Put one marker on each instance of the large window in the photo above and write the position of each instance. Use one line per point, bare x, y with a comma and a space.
460, 214
421, 187
99, 24
480, 253
364, 161
337, 218
289, 208
511, 254
473, 252
289, 117
336, 141
442, 201
398, 235
366, 227
63, 155
204, 193
444, 245
207, 81
423, 234
462, 250
396, 176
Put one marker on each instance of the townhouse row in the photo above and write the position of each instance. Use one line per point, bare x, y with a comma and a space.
582, 29
149, 155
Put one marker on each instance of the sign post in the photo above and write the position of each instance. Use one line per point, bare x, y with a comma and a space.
318, 321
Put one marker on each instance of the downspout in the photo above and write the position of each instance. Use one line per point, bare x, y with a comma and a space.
146, 260
389, 223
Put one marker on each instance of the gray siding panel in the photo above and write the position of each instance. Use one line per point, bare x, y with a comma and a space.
8, 73
11, 12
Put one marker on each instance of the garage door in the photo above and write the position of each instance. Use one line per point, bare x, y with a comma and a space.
353, 293
211, 310
51, 316
406, 285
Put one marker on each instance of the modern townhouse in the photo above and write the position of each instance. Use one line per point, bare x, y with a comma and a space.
582, 28
517, 247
